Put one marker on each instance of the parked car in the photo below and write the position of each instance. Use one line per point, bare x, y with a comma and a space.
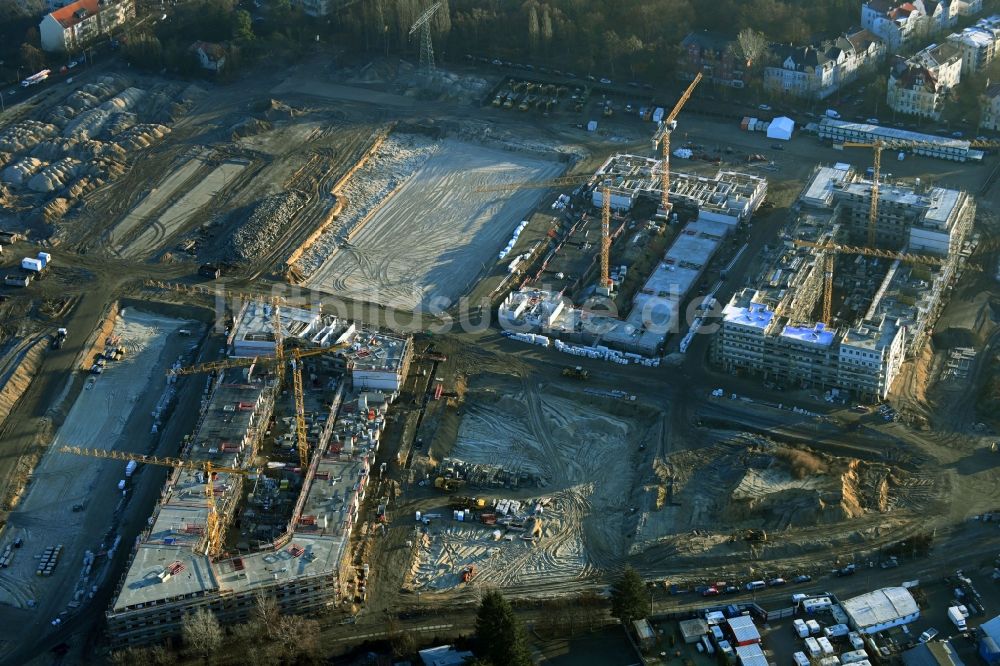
928, 635
711, 592
764, 107
802, 578
776, 582
731, 589
606, 81
777, 146
849, 570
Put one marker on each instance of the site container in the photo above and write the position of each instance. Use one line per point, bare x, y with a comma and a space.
30, 264
45, 258
813, 648
853, 656
825, 645
832, 660
800, 659
801, 630
130, 468
836, 631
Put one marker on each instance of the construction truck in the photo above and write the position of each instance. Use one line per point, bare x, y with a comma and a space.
448, 485
577, 372
462, 502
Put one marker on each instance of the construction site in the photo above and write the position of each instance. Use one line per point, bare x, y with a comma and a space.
680, 357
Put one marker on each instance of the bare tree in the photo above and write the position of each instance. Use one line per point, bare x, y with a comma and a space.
546, 24
750, 46
202, 632
533, 28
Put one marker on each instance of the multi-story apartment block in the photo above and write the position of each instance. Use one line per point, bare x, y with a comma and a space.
714, 56
820, 71
920, 85
977, 44
902, 22
75, 25
768, 330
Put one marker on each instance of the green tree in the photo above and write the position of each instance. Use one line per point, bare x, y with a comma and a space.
500, 635
628, 597
242, 26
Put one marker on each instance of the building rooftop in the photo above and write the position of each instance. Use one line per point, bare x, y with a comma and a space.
75, 12
743, 629
882, 606
817, 334
751, 655
819, 191
377, 351
754, 315
253, 333
932, 653
891, 133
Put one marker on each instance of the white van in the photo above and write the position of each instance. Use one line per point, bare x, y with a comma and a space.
756, 585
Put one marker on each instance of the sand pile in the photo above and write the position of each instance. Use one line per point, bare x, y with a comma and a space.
19, 172
141, 136
25, 134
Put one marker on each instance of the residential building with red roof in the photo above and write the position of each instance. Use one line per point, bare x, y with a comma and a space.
72, 27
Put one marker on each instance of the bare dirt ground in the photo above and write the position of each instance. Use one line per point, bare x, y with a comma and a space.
425, 233
585, 460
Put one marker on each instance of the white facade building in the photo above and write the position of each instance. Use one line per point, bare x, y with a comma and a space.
72, 27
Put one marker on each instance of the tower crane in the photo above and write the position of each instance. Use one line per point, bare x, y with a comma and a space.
830, 248
213, 523
877, 147
301, 432
662, 140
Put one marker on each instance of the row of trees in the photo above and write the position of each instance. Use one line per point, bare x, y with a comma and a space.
270, 637
591, 36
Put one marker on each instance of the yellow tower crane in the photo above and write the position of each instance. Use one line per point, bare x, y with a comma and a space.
606, 236
297, 356
213, 523
661, 140
830, 248
877, 147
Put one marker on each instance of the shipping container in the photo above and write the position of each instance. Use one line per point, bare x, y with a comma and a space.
853, 656
30, 264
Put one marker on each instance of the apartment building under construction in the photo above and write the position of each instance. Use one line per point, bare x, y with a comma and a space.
884, 304
298, 555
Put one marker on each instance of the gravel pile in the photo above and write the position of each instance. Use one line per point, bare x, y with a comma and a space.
267, 222
141, 136
19, 172
24, 135
55, 176
398, 158
90, 124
